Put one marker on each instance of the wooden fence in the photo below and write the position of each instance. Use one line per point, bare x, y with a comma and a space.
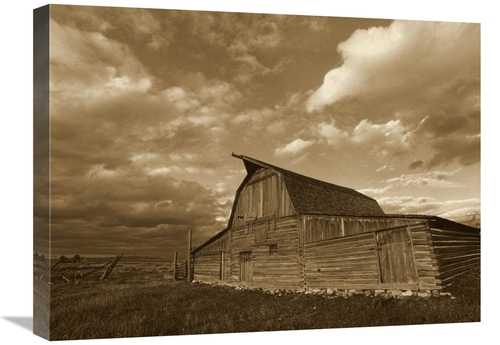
69, 269
181, 270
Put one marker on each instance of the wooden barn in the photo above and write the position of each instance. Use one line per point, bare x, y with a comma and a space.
289, 231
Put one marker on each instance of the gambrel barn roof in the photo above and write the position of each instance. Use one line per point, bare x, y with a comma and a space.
311, 196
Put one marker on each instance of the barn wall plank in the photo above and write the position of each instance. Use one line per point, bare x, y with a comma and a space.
281, 268
336, 263
457, 250
204, 272
316, 228
264, 194
207, 267
425, 258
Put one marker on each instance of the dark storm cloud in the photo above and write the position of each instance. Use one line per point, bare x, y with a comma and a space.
416, 164
161, 240
462, 149
131, 199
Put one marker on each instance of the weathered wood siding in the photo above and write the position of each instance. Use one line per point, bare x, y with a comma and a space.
425, 259
456, 251
348, 262
220, 245
275, 255
398, 257
208, 266
264, 194
319, 228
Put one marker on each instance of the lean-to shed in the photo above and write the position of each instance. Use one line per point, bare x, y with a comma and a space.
289, 231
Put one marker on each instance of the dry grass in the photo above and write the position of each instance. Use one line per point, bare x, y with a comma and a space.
137, 300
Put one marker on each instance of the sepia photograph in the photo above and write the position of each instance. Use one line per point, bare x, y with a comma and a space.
212, 172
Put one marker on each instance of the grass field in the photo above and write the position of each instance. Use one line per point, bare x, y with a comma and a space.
140, 299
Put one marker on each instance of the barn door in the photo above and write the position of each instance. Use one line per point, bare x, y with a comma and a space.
246, 271
397, 264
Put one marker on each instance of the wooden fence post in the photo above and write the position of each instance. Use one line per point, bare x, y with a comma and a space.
54, 266
107, 272
175, 266
188, 268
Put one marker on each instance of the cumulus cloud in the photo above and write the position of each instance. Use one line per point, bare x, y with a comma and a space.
400, 59
296, 146
331, 133
392, 134
410, 84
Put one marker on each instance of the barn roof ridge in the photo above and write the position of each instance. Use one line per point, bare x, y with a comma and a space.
312, 195
295, 175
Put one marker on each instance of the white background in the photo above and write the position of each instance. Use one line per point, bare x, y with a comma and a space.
16, 168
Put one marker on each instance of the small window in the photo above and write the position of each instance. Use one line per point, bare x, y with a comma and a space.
273, 249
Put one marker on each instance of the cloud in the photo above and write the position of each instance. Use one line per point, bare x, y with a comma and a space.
252, 116
427, 179
457, 210
385, 168
149, 29
417, 163
408, 57
373, 192
463, 149
87, 65
182, 100
331, 133
103, 201
296, 146
393, 135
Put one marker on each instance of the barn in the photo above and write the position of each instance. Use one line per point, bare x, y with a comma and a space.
289, 231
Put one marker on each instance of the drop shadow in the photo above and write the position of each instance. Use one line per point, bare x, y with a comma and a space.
25, 322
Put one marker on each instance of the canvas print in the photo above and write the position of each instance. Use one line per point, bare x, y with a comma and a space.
201, 172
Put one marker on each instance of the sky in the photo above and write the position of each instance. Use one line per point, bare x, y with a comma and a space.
148, 105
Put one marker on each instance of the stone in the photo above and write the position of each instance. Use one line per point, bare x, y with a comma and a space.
423, 294
395, 292
407, 293
329, 291
445, 294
